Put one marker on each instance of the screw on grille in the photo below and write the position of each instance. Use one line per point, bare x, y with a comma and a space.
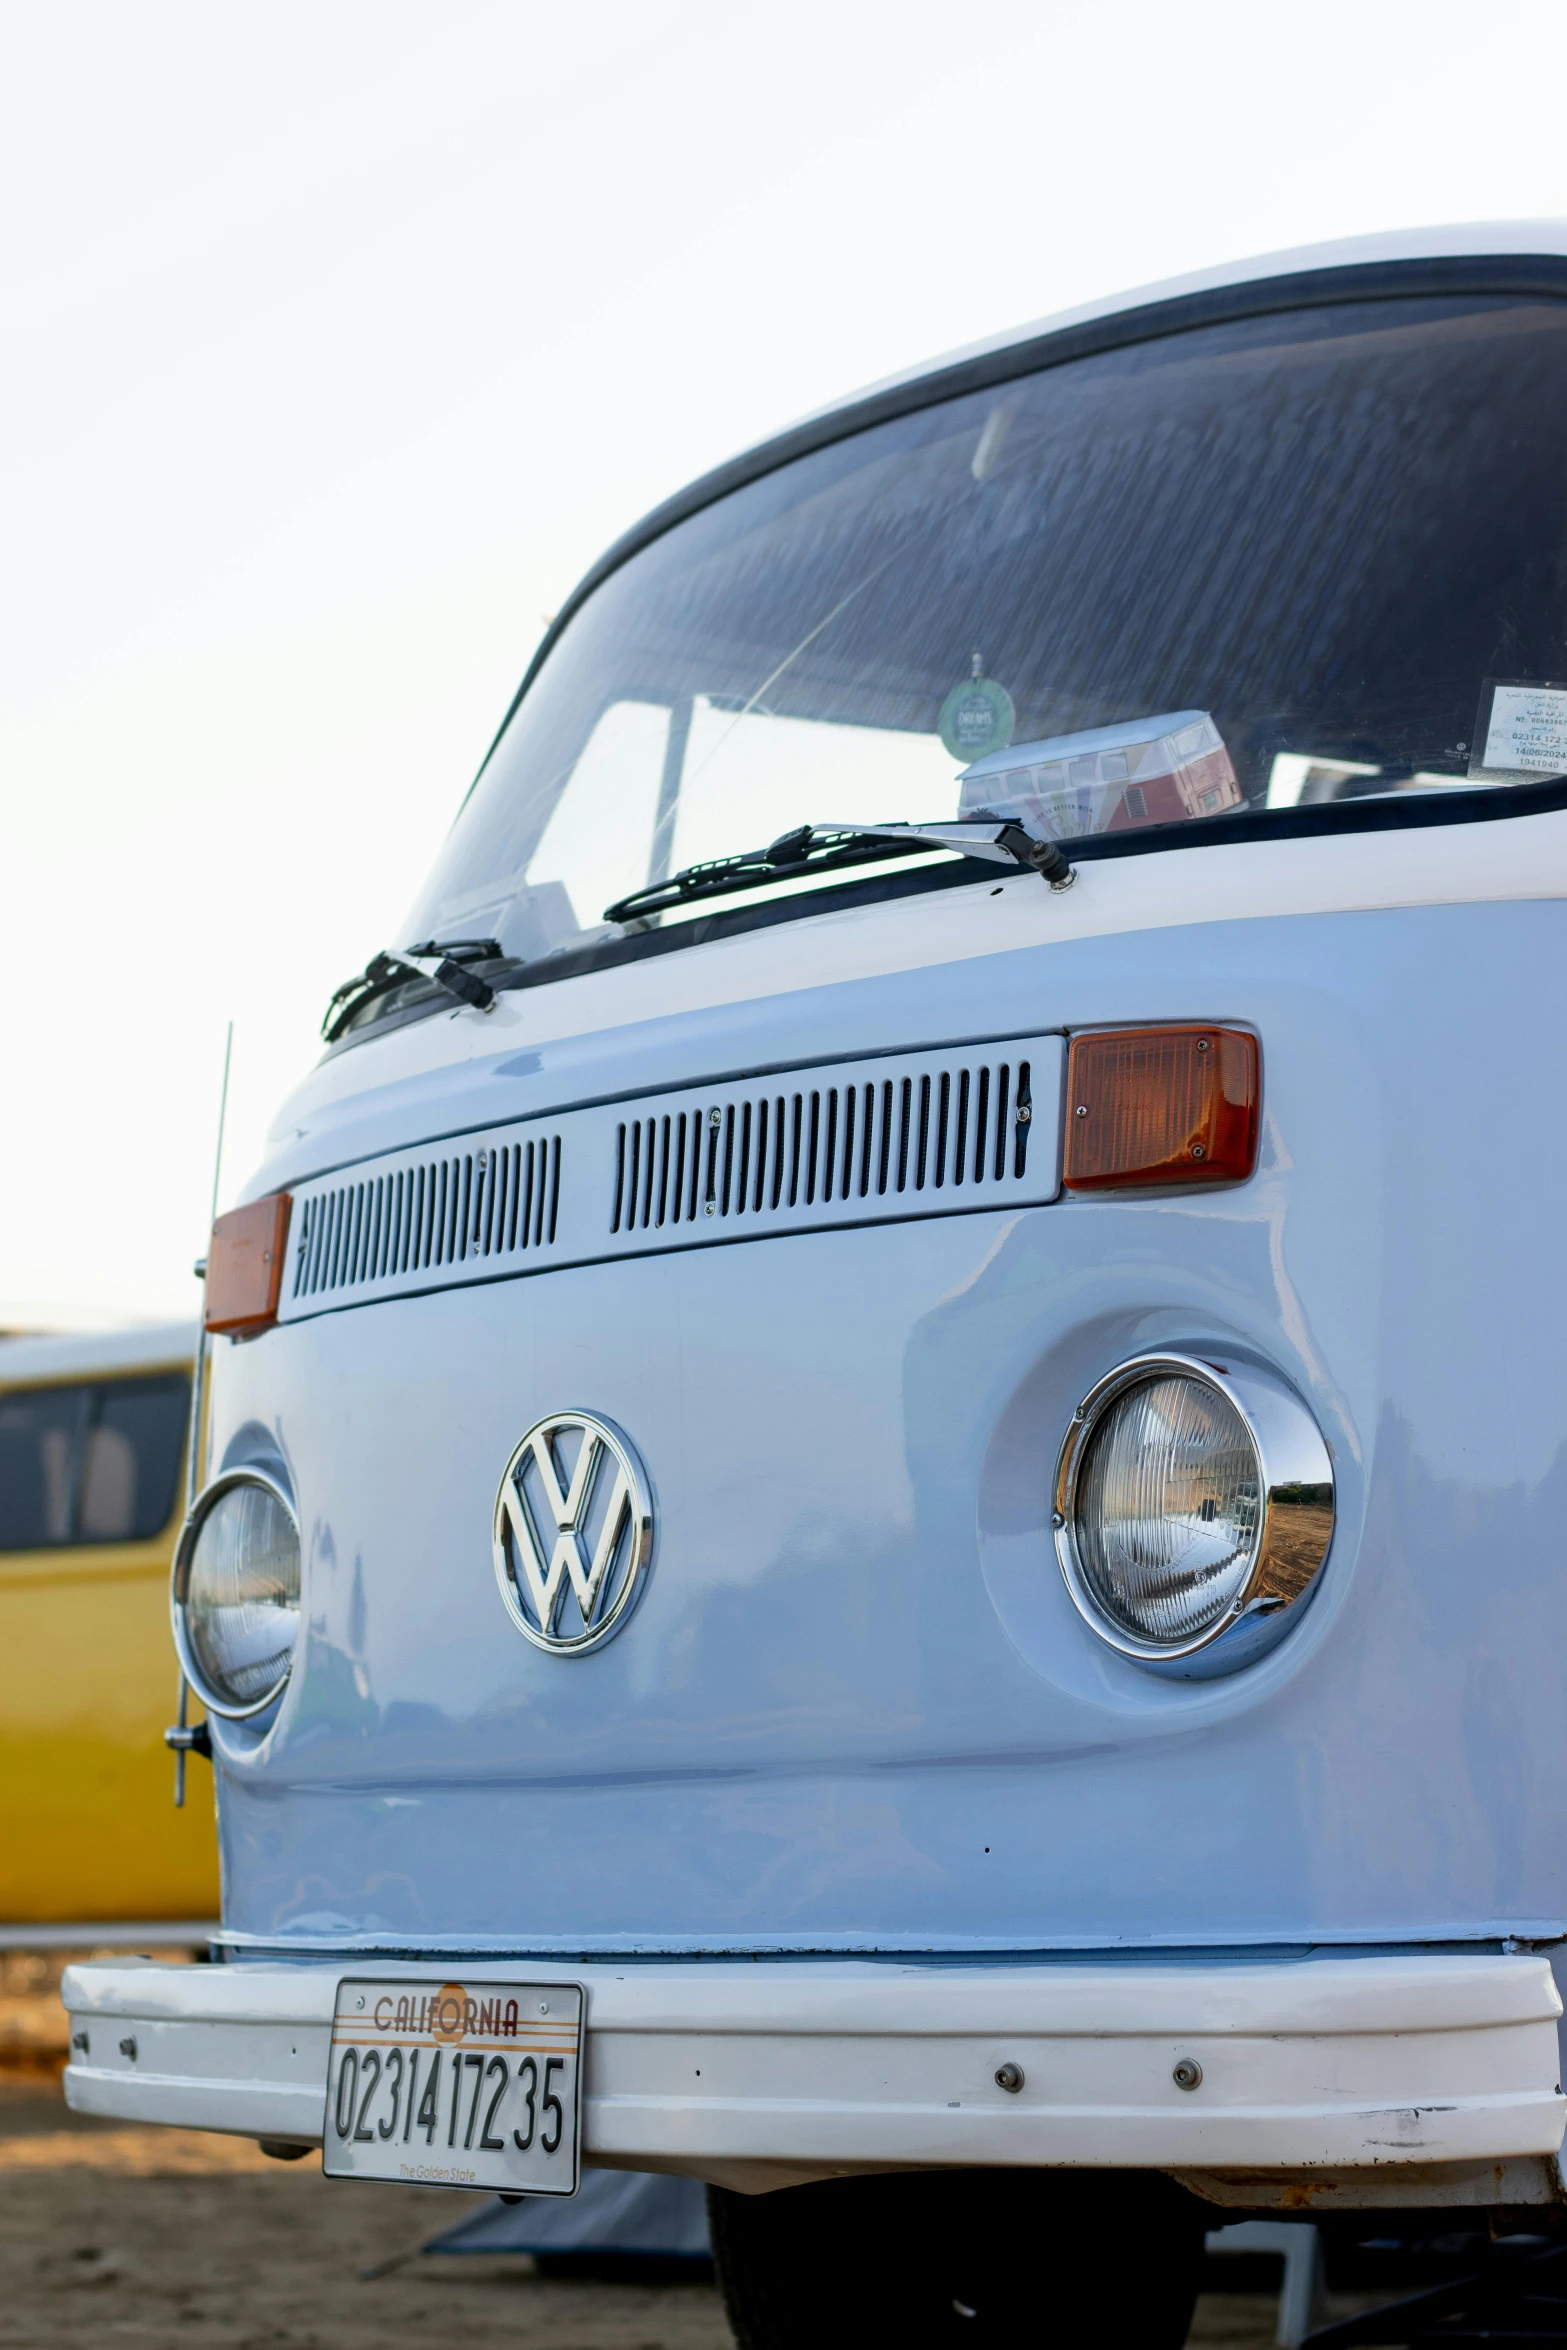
1010, 2078
128, 2048
1187, 2074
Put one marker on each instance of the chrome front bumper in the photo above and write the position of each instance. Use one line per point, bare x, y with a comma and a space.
756, 2075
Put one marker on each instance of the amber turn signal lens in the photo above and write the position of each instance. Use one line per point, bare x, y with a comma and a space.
245, 1265
1160, 1105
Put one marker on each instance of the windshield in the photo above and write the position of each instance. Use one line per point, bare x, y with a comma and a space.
1261, 565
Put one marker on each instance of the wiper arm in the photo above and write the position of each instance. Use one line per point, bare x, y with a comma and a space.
998, 839
441, 961
825, 848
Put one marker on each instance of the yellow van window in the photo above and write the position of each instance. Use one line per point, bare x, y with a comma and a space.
93, 1463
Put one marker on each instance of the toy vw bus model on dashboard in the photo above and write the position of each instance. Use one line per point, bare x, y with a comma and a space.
888, 1455
1155, 771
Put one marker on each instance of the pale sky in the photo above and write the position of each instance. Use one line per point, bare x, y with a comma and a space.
338, 339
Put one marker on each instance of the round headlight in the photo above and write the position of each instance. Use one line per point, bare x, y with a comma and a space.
1194, 1507
236, 1593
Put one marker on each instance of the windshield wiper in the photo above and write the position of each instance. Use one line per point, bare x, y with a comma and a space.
446, 963
826, 848
441, 961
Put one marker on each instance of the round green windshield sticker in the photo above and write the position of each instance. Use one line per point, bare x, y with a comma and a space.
977, 717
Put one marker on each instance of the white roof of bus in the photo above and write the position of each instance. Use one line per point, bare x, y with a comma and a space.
87, 1354
1463, 241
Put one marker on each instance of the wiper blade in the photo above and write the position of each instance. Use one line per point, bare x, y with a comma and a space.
826, 848
441, 961
812, 848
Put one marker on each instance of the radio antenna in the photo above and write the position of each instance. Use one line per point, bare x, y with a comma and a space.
183, 1739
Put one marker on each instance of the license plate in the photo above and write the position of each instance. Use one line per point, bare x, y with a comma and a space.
456, 2084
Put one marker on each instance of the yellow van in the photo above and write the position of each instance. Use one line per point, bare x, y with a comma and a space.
92, 1483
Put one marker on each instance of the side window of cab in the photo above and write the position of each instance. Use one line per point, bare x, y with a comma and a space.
90, 1464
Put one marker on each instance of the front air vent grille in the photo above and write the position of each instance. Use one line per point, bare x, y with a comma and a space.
888, 1138
429, 1215
932, 1133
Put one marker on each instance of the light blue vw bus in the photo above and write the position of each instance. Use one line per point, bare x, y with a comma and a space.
888, 1445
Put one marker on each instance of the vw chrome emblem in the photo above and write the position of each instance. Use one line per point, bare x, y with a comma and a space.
573, 1533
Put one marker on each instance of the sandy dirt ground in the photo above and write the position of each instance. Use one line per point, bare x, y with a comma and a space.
165, 2237
173, 2237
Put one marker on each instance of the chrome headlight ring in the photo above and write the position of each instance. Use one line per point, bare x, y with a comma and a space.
1292, 1504
216, 1700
